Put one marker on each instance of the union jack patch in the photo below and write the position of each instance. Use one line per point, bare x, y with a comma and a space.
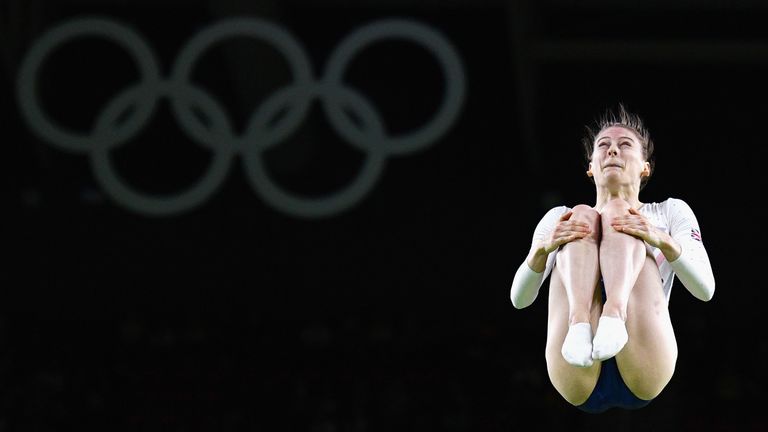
695, 234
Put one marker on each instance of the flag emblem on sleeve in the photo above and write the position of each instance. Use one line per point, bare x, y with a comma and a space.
695, 234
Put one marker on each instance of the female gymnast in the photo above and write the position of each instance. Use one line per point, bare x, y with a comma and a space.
612, 266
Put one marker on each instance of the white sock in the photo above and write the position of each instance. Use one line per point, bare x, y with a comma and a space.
577, 347
610, 337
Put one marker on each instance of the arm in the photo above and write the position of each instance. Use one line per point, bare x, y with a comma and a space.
525, 286
539, 262
682, 246
692, 265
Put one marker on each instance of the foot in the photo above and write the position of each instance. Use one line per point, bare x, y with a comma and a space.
610, 338
577, 347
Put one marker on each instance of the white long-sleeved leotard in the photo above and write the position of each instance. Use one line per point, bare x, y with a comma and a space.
673, 216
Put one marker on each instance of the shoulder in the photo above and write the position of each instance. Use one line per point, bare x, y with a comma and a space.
676, 202
557, 211
552, 215
678, 214
670, 205
674, 206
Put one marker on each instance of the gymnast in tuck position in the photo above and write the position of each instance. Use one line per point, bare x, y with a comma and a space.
610, 341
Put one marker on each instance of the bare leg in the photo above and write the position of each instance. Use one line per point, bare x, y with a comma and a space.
575, 384
579, 271
621, 259
647, 362
577, 262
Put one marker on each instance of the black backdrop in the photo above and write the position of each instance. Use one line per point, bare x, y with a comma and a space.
391, 313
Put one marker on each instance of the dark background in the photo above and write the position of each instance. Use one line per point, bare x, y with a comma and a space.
392, 314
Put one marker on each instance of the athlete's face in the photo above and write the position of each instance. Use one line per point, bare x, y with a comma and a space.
618, 158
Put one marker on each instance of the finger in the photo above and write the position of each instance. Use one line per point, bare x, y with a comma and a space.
626, 228
626, 217
622, 218
580, 230
635, 232
580, 234
576, 225
635, 225
637, 214
566, 215
576, 236
580, 227
627, 222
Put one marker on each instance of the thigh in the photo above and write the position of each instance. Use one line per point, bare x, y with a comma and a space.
647, 361
573, 383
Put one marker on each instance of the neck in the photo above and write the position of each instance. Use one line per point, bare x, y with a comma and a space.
628, 194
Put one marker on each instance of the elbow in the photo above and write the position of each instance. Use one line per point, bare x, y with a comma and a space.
703, 288
518, 302
707, 291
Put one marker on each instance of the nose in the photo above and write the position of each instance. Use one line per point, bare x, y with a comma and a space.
613, 150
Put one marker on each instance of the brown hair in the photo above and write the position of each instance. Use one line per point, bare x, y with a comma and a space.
626, 119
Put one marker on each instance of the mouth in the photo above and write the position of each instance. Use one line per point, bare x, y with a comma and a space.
612, 165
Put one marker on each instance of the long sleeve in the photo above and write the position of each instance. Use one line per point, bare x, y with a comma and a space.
527, 282
692, 267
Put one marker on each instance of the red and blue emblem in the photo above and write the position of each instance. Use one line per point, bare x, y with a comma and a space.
695, 234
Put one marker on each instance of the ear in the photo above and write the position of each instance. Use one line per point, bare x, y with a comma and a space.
589, 170
646, 170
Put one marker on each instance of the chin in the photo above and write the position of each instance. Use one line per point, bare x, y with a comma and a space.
612, 182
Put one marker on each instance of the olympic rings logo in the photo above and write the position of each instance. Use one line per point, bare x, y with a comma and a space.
293, 101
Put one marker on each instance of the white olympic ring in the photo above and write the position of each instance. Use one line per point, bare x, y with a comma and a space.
369, 135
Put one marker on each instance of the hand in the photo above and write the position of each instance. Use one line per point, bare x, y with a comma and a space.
566, 231
636, 225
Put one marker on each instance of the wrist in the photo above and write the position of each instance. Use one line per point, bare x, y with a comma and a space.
670, 248
537, 260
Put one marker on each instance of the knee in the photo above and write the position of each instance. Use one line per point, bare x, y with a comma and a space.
585, 213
